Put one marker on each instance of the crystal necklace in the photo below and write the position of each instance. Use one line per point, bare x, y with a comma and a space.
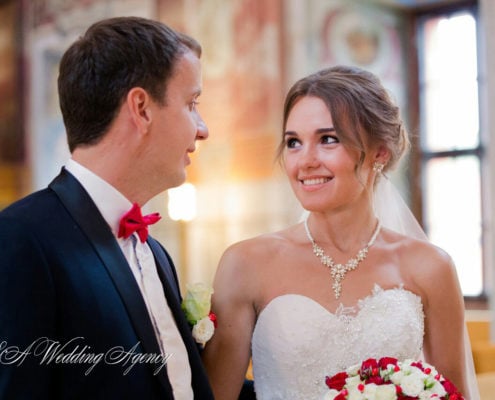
338, 271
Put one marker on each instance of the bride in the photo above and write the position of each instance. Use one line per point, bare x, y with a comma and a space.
339, 287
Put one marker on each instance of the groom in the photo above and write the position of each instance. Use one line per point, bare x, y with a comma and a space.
89, 304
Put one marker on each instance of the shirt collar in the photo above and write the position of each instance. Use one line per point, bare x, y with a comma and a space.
110, 202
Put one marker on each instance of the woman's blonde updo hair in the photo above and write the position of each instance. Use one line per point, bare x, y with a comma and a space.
363, 114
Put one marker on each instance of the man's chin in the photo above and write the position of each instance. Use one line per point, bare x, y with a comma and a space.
178, 180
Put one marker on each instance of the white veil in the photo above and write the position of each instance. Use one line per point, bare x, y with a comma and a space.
394, 214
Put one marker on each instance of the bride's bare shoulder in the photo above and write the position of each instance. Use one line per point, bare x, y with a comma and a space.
259, 248
414, 248
420, 257
244, 264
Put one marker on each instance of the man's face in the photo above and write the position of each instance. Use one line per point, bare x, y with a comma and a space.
176, 125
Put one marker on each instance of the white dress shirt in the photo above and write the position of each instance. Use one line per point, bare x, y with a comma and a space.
112, 205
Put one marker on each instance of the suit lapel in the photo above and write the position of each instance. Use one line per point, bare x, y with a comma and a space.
170, 285
86, 214
165, 268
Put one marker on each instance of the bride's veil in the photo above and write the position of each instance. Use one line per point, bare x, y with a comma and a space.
394, 214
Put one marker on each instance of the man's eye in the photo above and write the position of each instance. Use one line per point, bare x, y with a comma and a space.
193, 105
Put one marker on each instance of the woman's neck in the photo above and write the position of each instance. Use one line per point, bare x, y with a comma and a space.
344, 231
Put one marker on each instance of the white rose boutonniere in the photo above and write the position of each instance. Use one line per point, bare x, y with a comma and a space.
197, 307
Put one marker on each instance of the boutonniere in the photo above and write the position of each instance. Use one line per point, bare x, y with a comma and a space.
197, 307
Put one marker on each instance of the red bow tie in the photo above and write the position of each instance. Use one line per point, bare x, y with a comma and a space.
132, 221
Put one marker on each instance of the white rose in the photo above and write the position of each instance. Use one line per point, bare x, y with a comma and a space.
203, 330
438, 389
369, 391
353, 381
397, 377
412, 385
385, 392
408, 362
433, 370
355, 394
353, 370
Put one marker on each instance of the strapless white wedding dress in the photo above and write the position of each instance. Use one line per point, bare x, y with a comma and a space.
296, 342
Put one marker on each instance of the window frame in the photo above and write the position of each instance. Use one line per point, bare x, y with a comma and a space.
420, 156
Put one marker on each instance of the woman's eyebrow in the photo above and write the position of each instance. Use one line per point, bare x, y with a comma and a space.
325, 130
318, 131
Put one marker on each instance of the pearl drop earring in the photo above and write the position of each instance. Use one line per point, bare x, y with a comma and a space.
378, 167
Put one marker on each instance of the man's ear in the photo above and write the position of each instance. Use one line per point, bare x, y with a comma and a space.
138, 102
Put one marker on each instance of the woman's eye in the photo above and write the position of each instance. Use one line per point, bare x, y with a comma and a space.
327, 139
291, 143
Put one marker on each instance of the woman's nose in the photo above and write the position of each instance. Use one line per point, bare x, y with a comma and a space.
309, 157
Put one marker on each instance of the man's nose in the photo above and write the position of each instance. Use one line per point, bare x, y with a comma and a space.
202, 130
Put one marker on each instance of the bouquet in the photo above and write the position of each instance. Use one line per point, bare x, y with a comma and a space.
390, 379
196, 305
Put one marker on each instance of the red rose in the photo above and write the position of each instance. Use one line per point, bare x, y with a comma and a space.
377, 380
417, 364
385, 361
213, 318
451, 390
449, 387
337, 381
369, 367
341, 396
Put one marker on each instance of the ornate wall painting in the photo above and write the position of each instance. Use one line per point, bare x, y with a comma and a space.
349, 33
366, 38
242, 95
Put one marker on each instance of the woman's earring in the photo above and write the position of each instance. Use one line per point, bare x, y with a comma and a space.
378, 167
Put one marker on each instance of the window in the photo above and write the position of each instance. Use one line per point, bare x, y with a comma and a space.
450, 141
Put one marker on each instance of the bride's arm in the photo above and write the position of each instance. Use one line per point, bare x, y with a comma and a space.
227, 354
444, 317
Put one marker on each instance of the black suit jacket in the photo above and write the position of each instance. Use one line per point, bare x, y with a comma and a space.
73, 323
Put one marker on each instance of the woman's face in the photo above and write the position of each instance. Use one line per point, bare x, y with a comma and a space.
321, 170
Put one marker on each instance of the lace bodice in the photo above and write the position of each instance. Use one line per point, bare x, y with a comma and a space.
297, 342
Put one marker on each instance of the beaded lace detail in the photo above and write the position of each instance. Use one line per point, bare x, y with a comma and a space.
297, 342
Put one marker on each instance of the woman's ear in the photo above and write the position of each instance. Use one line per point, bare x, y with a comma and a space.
138, 102
382, 155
